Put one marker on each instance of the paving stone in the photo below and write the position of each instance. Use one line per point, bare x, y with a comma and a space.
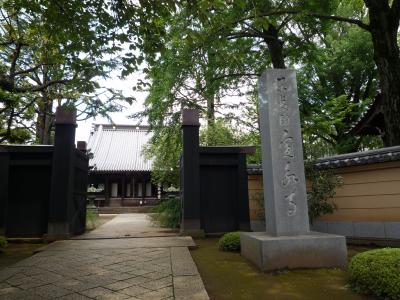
18, 279
7, 273
156, 275
51, 291
139, 272
163, 293
119, 285
32, 283
74, 296
122, 276
152, 242
25, 295
137, 280
81, 286
101, 269
113, 296
157, 284
135, 290
95, 292
189, 287
4, 285
182, 262
8, 290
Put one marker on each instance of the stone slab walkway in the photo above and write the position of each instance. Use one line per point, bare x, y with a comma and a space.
128, 225
119, 268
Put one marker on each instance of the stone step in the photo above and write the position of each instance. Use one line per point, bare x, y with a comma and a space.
125, 209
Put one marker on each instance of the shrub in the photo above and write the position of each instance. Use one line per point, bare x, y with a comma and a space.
167, 213
229, 242
3, 242
376, 272
323, 189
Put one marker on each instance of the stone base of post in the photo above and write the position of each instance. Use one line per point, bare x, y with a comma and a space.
191, 228
309, 251
57, 231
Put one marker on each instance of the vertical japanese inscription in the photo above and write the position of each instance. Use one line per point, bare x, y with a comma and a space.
290, 179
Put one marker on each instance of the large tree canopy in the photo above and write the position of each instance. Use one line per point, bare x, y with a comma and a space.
54, 52
199, 53
205, 54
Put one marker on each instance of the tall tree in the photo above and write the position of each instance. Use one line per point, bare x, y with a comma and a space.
54, 52
383, 27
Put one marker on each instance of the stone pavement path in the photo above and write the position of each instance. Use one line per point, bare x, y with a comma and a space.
120, 268
128, 225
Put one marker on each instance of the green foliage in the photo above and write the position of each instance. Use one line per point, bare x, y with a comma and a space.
167, 213
323, 188
165, 149
201, 53
3, 242
376, 272
229, 242
335, 87
217, 134
54, 54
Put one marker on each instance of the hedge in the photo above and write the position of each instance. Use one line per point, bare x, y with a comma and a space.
376, 272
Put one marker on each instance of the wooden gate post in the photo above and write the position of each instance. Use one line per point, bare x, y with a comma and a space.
4, 173
190, 174
62, 179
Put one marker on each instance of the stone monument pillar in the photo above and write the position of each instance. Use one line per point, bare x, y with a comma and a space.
287, 242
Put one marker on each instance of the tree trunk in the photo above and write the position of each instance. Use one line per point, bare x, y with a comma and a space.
210, 111
44, 120
210, 90
275, 47
384, 23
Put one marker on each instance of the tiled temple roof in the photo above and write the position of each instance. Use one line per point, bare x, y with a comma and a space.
359, 158
118, 148
347, 160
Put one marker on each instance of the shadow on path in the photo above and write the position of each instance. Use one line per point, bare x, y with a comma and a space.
108, 263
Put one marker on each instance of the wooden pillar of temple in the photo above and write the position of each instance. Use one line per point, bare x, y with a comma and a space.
123, 190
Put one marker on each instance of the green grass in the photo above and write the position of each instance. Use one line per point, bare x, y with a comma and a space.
227, 275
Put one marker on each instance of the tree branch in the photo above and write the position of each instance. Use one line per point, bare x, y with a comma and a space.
235, 75
319, 16
28, 70
341, 19
243, 34
40, 87
16, 54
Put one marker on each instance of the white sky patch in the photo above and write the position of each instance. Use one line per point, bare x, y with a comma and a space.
126, 86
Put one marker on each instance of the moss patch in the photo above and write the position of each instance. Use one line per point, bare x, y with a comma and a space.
227, 275
14, 252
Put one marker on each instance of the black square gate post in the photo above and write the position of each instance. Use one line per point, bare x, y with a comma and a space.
62, 180
190, 169
4, 174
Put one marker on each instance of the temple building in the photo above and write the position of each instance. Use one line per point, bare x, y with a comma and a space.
120, 174
372, 122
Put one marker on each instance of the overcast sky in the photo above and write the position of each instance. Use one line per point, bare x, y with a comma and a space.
84, 127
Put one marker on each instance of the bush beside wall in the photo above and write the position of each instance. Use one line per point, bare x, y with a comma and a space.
376, 272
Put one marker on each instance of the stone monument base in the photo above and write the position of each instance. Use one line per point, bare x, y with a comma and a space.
313, 250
